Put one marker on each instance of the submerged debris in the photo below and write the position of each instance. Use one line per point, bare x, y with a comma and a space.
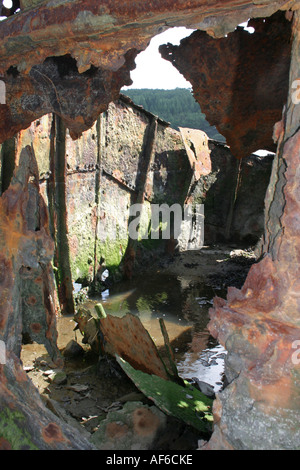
126, 337
184, 402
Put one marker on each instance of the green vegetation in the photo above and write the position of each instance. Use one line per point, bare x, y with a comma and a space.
175, 106
13, 431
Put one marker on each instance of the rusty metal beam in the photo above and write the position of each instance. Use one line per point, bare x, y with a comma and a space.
73, 57
100, 33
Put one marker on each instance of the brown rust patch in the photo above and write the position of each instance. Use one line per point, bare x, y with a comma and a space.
52, 433
5, 444
240, 81
145, 422
36, 327
196, 145
277, 394
74, 245
128, 338
31, 300
116, 430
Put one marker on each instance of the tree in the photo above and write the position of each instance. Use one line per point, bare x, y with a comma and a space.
178, 107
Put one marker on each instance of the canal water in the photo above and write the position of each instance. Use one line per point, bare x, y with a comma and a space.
184, 304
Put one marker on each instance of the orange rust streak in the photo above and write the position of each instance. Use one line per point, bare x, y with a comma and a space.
277, 394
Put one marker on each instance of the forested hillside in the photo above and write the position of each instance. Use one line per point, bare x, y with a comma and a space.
175, 106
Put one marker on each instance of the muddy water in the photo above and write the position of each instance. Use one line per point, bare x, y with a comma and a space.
183, 303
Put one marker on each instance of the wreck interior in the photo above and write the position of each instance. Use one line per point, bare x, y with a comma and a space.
69, 139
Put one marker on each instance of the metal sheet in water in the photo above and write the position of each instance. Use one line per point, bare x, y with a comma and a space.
127, 337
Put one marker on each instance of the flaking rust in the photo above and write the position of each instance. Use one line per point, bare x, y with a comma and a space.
57, 86
259, 324
24, 229
127, 338
97, 44
238, 92
27, 305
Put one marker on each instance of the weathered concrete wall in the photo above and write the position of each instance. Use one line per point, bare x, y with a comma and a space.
90, 183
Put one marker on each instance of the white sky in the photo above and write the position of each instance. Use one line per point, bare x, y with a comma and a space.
152, 71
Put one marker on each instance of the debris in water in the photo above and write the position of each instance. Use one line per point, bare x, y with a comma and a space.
104, 275
183, 402
128, 338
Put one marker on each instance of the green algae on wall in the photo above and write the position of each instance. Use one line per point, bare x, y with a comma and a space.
82, 263
112, 251
13, 431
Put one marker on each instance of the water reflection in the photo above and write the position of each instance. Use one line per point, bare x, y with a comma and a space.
183, 304
206, 365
